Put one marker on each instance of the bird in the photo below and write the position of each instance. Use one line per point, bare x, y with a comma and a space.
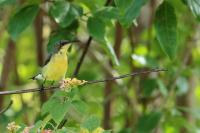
56, 65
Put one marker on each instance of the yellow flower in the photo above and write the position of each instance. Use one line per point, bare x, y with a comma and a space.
98, 130
84, 130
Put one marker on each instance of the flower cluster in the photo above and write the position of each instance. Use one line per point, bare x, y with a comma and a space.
69, 83
12, 127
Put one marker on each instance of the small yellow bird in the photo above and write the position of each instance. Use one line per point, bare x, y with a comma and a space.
56, 66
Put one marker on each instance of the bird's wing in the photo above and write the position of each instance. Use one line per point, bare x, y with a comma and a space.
47, 60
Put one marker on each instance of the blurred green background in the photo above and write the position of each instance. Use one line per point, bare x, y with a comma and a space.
157, 102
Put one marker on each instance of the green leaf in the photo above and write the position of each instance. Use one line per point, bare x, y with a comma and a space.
194, 6
57, 106
21, 20
122, 5
107, 13
96, 28
148, 122
148, 85
6, 2
166, 27
132, 12
162, 87
91, 123
110, 51
80, 106
65, 13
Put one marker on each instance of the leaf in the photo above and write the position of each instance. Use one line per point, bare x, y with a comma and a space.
91, 123
148, 85
6, 2
132, 12
122, 5
65, 13
111, 53
166, 26
162, 87
194, 6
107, 13
148, 122
80, 106
57, 106
21, 20
96, 28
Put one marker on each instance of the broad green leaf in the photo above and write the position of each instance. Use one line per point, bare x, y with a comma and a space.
132, 12
148, 86
57, 106
96, 28
107, 13
80, 106
59, 109
6, 2
166, 26
148, 122
65, 13
194, 6
122, 5
91, 123
21, 20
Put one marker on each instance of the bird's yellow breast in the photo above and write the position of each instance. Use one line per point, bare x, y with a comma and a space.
56, 69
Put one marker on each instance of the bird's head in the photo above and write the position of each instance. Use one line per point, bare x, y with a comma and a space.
64, 46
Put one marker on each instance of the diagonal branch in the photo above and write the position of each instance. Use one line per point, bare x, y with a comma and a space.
5, 109
51, 88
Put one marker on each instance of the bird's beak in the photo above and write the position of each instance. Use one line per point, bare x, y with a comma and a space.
67, 42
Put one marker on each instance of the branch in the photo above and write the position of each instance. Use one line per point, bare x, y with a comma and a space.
82, 56
87, 45
51, 88
5, 109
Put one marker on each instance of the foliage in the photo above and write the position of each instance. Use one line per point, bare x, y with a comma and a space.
125, 38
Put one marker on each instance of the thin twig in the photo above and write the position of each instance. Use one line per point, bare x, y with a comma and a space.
51, 88
87, 45
5, 109
82, 56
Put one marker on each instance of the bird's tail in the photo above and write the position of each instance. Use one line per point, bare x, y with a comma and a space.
37, 77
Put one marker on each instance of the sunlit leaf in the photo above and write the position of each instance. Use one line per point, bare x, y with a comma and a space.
65, 13
132, 12
21, 20
166, 28
194, 6
107, 13
80, 106
96, 28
